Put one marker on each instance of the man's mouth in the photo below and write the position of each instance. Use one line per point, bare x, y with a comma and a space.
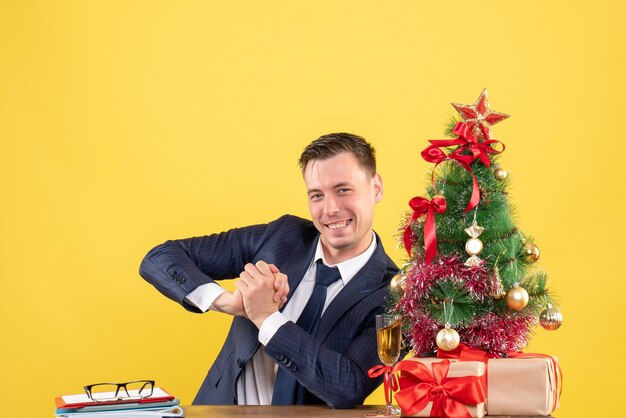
339, 225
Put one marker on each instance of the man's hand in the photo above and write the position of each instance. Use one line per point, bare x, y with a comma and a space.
281, 286
258, 286
232, 302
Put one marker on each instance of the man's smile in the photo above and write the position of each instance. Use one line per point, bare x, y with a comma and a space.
339, 224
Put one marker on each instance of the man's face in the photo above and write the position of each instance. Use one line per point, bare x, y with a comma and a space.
341, 201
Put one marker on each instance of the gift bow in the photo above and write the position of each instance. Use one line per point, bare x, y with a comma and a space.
390, 379
421, 206
449, 395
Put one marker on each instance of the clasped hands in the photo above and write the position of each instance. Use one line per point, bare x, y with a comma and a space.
261, 290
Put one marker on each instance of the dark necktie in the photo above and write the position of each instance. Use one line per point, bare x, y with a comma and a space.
285, 386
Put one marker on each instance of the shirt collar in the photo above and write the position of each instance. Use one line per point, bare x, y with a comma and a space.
349, 268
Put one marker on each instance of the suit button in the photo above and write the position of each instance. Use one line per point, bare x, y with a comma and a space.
280, 357
241, 363
293, 368
176, 277
288, 363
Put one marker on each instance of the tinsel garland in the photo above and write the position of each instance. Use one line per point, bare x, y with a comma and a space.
422, 276
486, 331
499, 334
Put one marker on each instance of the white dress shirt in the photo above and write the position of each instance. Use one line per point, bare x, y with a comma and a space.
256, 384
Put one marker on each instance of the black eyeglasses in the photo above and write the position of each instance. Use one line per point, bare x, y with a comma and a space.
137, 389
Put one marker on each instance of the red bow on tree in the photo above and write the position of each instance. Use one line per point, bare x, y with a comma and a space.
467, 141
419, 385
421, 206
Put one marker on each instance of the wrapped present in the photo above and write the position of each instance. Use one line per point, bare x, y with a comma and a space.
526, 385
432, 387
522, 384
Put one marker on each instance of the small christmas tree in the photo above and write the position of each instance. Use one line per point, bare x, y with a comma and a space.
471, 275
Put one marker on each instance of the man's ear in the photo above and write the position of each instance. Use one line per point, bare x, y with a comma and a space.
377, 183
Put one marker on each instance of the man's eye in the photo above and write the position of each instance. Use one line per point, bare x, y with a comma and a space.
344, 190
316, 196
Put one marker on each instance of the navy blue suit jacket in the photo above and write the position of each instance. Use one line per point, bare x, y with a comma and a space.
330, 367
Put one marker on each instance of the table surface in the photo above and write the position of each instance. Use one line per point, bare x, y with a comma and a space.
307, 411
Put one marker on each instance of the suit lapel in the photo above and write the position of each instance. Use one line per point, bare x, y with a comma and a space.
366, 281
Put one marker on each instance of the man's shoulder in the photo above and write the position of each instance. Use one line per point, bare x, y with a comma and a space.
293, 226
390, 267
295, 221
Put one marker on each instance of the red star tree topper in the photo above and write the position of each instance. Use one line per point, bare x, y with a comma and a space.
479, 116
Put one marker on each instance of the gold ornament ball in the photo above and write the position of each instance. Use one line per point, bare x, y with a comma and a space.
398, 283
551, 319
530, 252
517, 298
473, 246
448, 339
500, 174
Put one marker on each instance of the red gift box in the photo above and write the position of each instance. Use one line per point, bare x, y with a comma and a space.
441, 388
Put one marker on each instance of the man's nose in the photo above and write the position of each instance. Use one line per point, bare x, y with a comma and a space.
331, 205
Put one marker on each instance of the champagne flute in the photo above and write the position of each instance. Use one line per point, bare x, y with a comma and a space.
389, 340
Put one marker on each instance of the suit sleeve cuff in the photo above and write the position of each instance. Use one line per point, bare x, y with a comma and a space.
270, 326
202, 297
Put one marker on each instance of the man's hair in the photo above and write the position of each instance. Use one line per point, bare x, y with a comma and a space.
327, 146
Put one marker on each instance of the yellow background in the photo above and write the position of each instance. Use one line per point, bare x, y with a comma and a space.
126, 123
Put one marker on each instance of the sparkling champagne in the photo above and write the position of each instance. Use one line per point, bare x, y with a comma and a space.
389, 339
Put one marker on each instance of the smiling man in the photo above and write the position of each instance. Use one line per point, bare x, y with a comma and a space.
304, 310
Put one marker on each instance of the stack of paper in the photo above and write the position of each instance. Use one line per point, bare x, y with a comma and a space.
159, 404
